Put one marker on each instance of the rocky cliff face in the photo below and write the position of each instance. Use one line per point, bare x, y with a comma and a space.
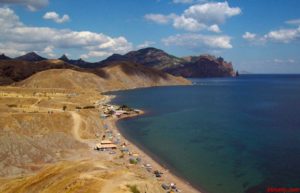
203, 66
192, 66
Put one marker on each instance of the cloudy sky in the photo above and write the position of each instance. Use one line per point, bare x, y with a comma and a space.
257, 36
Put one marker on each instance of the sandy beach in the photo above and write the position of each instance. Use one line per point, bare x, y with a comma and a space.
167, 177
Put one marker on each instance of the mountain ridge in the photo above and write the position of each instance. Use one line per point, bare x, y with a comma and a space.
188, 67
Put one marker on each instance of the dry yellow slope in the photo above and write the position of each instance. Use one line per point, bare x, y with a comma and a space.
82, 176
114, 77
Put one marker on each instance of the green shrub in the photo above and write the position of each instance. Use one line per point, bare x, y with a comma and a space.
133, 188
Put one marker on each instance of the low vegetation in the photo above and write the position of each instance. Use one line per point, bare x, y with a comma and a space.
133, 188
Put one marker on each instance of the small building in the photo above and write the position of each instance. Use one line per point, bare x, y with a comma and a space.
105, 142
103, 147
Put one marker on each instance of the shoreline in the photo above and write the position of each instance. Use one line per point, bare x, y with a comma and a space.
168, 175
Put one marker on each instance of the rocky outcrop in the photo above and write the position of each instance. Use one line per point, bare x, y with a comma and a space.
203, 66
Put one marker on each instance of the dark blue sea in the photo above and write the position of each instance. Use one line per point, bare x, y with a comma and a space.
223, 135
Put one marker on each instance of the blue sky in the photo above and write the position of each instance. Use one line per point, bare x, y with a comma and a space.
257, 36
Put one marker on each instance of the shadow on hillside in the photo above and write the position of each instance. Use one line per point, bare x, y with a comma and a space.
99, 72
135, 69
15, 71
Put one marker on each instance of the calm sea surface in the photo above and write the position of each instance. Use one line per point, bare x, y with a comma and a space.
225, 135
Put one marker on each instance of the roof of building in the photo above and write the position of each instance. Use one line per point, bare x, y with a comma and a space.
106, 142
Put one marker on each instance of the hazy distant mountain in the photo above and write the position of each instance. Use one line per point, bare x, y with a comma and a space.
4, 57
31, 57
80, 62
64, 58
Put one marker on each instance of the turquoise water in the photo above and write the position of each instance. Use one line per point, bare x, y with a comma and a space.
229, 135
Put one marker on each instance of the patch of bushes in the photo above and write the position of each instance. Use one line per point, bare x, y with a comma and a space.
133, 161
12, 105
133, 188
89, 107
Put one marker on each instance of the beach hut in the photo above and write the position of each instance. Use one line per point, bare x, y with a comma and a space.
103, 147
104, 142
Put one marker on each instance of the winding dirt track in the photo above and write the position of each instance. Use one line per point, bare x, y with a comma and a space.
77, 120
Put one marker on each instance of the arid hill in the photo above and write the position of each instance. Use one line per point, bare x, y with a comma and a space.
13, 70
124, 75
46, 149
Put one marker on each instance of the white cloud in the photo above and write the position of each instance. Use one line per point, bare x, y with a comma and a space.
145, 44
16, 38
159, 18
49, 51
32, 5
283, 35
249, 36
56, 18
188, 24
196, 41
284, 61
214, 12
96, 54
205, 16
214, 28
293, 22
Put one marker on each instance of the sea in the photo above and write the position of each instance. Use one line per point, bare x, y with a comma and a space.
222, 135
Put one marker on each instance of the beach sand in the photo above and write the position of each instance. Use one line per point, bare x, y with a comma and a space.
167, 177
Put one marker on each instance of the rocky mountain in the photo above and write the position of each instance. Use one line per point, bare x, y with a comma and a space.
4, 57
113, 58
31, 57
191, 66
153, 57
202, 66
